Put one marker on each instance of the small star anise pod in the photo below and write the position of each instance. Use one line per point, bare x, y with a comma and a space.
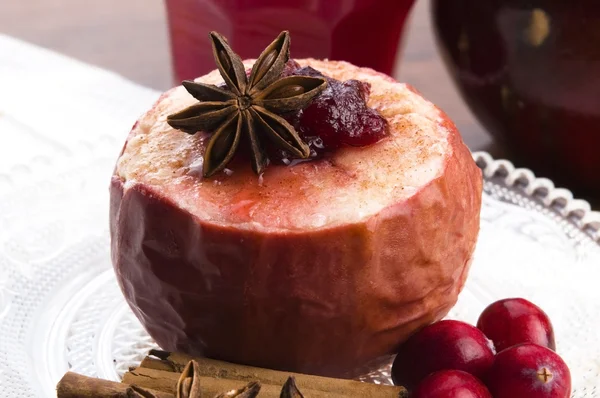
188, 385
250, 390
250, 107
290, 390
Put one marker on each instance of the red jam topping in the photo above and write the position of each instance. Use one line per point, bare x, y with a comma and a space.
336, 117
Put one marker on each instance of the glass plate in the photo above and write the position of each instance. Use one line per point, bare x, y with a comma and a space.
61, 309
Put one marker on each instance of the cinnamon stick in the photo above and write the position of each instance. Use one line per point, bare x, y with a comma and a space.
160, 380
159, 364
74, 385
212, 387
165, 381
157, 368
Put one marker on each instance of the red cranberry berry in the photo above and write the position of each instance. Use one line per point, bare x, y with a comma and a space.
529, 371
444, 345
514, 321
451, 384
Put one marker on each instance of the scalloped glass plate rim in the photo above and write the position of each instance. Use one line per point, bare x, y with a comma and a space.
74, 318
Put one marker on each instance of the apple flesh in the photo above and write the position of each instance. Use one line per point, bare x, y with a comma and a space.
322, 267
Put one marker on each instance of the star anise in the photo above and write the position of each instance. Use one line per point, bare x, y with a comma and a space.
290, 390
250, 390
250, 106
188, 385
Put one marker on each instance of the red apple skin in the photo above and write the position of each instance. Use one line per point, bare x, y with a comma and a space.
444, 345
334, 301
451, 384
515, 321
529, 371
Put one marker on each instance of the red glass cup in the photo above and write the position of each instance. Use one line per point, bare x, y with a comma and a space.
363, 32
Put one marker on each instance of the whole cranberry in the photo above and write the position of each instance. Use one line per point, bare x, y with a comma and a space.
451, 384
529, 371
443, 345
514, 321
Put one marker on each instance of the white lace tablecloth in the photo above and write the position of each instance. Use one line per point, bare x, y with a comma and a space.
62, 124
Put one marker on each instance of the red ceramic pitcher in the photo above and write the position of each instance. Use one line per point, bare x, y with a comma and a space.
363, 32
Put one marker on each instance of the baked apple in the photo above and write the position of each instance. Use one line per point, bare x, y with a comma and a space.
320, 266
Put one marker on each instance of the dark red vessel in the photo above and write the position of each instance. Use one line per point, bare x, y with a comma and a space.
363, 32
530, 71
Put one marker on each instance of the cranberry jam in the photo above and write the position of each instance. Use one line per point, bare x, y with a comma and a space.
336, 117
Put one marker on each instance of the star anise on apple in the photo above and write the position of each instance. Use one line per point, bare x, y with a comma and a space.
249, 106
